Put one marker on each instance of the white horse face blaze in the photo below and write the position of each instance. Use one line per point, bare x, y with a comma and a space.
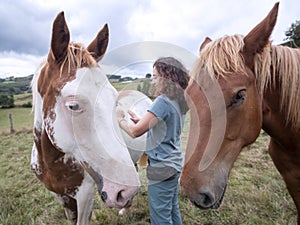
86, 125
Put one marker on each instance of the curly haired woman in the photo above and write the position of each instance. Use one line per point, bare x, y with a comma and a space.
163, 122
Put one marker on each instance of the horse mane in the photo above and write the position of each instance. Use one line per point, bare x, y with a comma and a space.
223, 56
279, 66
77, 57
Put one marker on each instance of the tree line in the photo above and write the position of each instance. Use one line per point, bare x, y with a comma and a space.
293, 35
14, 86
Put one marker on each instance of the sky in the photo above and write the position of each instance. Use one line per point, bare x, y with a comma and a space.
140, 30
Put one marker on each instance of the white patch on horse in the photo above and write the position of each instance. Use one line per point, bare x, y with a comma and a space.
37, 101
67, 158
85, 198
34, 161
38, 113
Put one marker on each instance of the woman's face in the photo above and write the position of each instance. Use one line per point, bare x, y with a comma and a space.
155, 77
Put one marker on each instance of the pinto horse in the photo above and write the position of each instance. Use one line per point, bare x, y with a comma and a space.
242, 84
77, 140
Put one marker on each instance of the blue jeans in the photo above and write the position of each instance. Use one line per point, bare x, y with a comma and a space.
163, 202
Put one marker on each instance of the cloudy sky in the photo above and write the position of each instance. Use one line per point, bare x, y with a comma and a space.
169, 25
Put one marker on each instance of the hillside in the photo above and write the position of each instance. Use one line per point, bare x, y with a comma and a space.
15, 85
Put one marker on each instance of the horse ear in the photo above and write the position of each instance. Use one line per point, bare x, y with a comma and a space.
60, 37
204, 43
258, 38
98, 46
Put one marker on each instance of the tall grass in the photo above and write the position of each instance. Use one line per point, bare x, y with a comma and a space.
255, 194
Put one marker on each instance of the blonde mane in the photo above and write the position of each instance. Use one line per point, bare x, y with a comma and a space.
77, 57
285, 73
223, 56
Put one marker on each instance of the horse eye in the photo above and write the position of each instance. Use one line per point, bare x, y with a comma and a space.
73, 106
239, 97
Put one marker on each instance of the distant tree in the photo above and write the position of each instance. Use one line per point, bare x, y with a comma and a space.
293, 35
145, 87
146, 84
27, 105
7, 101
139, 87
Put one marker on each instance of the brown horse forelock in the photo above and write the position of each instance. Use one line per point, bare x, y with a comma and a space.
223, 57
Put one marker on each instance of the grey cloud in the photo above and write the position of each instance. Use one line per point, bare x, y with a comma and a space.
25, 28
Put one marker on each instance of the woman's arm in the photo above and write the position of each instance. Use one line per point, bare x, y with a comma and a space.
140, 127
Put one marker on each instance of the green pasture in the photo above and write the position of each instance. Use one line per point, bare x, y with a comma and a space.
22, 119
22, 99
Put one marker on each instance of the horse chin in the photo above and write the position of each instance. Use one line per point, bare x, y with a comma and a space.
216, 205
128, 204
119, 206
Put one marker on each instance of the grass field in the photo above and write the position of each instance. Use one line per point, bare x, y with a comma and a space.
22, 119
22, 99
256, 194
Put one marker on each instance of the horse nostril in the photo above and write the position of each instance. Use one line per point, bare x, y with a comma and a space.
119, 196
206, 199
104, 196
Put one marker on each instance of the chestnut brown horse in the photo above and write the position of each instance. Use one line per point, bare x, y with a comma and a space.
77, 139
242, 84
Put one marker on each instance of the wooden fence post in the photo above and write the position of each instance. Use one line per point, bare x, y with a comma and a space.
11, 123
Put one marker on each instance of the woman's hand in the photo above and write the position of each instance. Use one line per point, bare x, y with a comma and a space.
133, 116
140, 127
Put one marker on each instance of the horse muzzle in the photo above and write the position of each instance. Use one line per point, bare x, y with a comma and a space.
117, 195
207, 200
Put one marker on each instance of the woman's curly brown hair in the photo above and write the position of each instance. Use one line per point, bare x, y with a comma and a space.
174, 79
